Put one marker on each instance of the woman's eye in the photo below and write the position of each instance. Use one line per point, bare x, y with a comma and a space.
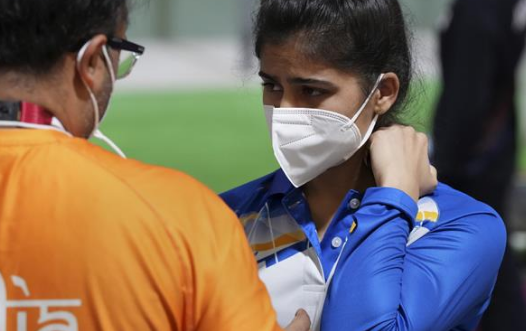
272, 87
312, 92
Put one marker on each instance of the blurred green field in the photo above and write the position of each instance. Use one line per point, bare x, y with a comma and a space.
218, 136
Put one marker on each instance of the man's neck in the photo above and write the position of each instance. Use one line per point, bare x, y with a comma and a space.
15, 86
40, 91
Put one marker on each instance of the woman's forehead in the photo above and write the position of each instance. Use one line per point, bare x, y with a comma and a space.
289, 61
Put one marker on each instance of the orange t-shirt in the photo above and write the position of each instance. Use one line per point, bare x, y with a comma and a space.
90, 241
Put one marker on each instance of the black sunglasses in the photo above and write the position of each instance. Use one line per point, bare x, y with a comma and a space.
130, 54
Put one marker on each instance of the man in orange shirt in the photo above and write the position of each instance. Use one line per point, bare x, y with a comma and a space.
89, 240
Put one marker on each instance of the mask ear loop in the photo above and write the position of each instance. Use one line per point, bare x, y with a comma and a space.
109, 64
372, 126
96, 132
375, 119
369, 131
80, 56
365, 103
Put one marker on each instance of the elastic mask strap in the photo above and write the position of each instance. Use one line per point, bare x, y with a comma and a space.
109, 64
99, 135
366, 102
369, 131
80, 55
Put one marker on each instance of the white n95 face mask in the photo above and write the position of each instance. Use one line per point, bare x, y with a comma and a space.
307, 142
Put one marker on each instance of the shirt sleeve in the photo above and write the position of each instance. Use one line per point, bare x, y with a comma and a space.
434, 284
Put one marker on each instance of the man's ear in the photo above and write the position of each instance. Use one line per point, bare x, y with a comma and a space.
387, 93
90, 59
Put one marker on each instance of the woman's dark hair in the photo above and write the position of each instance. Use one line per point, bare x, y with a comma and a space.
366, 37
36, 34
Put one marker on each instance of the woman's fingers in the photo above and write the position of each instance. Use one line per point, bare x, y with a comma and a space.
399, 159
301, 322
430, 181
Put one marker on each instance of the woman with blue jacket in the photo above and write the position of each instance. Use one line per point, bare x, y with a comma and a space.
354, 227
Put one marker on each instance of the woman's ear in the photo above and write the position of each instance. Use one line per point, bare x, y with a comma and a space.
387, 93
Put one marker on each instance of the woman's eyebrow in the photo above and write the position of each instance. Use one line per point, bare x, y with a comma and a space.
301, 81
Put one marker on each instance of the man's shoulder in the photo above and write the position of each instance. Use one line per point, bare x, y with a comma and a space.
108, 181
132, 174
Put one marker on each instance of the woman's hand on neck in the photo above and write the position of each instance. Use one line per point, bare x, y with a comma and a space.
399, 159
326, 192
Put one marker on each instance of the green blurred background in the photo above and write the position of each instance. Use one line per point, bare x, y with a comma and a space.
180, 110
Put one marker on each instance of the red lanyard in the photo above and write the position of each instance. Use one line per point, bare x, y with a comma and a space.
34, 114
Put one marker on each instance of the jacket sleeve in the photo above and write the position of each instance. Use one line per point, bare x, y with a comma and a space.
434, 284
